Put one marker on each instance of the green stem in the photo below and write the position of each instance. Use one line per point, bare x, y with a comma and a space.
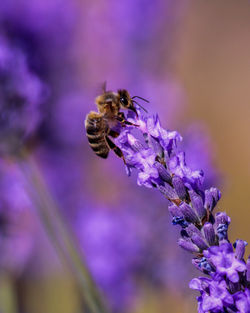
8, 301
59, 232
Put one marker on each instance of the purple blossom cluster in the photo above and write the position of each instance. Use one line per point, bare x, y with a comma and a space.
111, 255
17, 221
119, 260
155, 153
21, 94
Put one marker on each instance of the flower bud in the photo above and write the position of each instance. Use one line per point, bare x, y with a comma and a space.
189, 213
239, 246
168, 191
199, 242
209, 233
179, 187
197, 204
163, 172
212, 196
188, 245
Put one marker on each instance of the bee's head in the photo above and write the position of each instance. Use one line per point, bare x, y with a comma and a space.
127, 102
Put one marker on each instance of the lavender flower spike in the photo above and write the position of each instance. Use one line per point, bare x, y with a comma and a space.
161, 165
21, 96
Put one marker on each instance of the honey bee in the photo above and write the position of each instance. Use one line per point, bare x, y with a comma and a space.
100, 125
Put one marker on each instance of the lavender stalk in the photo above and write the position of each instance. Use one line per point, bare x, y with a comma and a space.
59, 232
154, 153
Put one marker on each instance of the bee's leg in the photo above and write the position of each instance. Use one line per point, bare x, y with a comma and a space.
121, 114
113, 133
116, 149
121, 118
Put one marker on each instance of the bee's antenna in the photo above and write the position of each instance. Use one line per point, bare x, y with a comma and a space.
140, 98
139, 105
104, 86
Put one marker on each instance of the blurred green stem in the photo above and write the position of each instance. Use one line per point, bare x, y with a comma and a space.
59, 232
8, 303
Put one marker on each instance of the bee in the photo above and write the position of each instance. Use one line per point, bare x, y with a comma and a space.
100, 125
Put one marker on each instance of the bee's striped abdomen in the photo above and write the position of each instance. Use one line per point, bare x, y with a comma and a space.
96, 132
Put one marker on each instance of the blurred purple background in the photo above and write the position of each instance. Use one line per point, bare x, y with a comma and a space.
190, 60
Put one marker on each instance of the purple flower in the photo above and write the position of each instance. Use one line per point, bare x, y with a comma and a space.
164, 167
123, 247
37, 31
21, 94
242, 301
113, 254
177, 165
108, 251
17, 225
222, 222
212, 196
223, 258
214, 294
160, 141
167, 139
145, 159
